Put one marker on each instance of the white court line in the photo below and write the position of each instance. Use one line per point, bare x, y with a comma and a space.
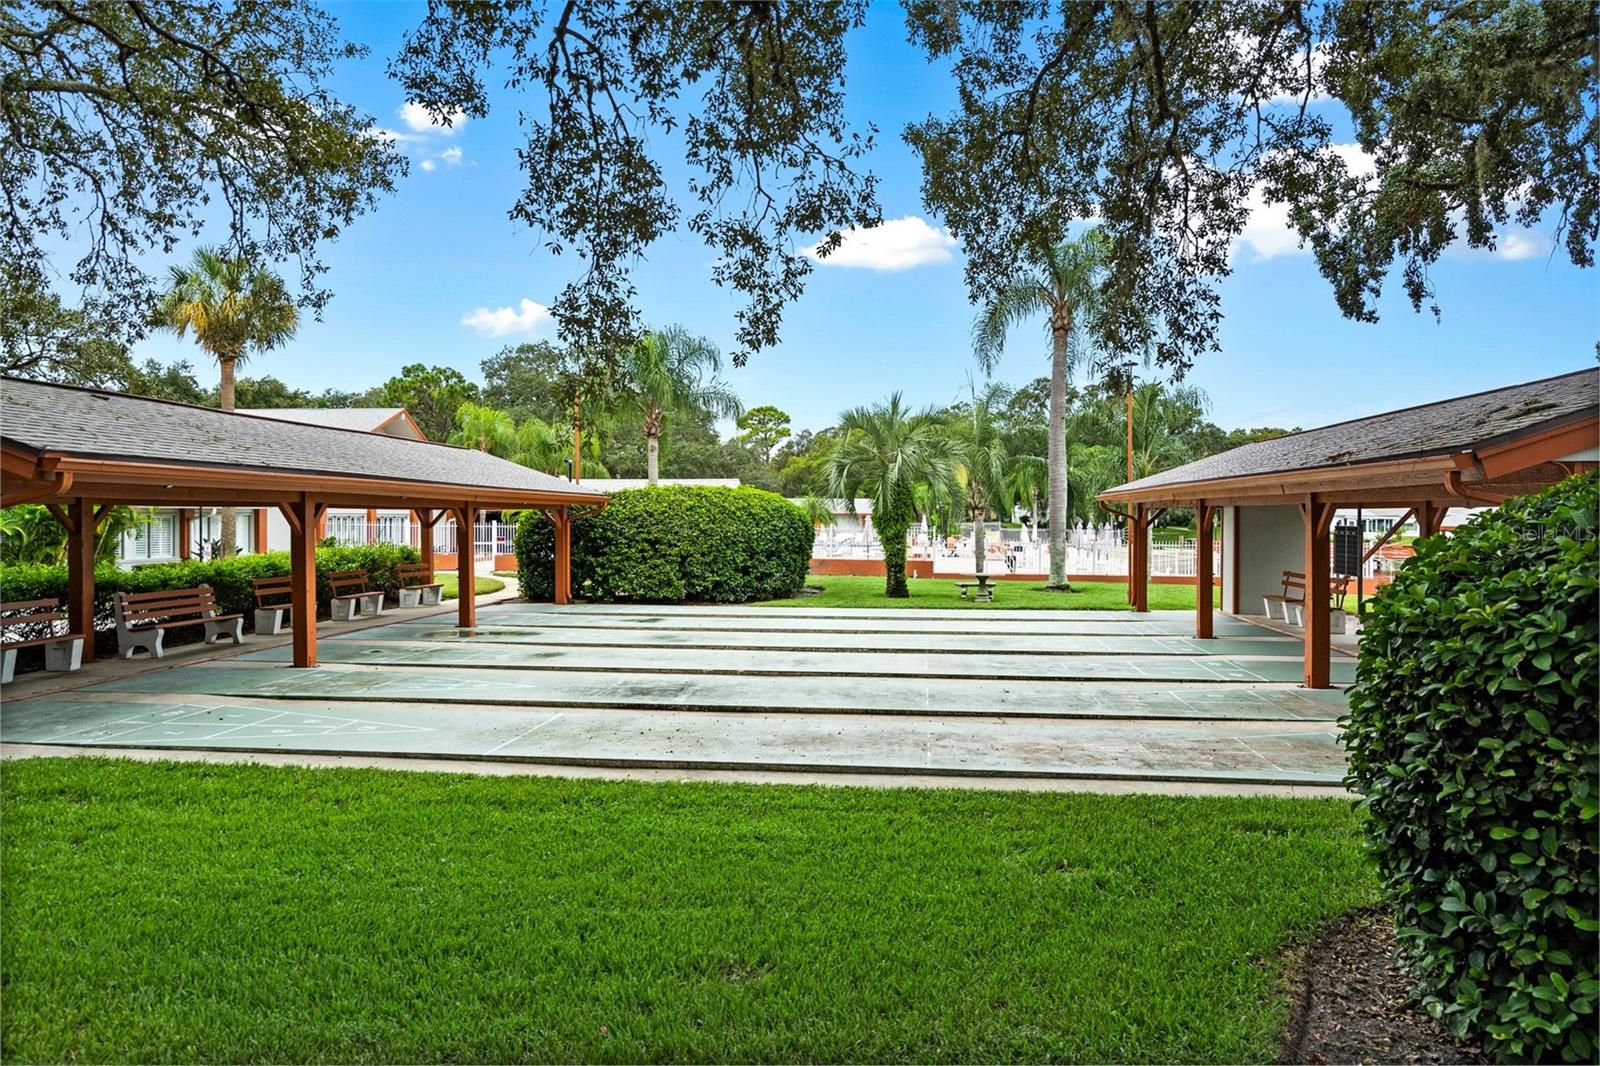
244, 725
65, 738
519, 736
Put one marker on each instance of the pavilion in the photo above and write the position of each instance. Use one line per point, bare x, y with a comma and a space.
1277, 498
81, 451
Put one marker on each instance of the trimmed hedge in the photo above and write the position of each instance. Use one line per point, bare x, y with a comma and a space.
1472, 738
229, 578
672, 544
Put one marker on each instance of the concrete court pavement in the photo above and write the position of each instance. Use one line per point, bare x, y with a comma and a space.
1106, 699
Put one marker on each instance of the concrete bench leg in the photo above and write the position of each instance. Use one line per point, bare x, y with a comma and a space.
410, 598
344, 610
8, 665
129, 642
232, 628
271, 620
432, 596
63, 656
372, 604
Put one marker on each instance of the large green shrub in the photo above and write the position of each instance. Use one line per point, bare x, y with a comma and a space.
1472, 738
229, 578
675, 543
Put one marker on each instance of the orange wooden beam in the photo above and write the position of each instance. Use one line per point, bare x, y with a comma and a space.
466, 602
1203, 592
1317, 518
303, 579
80, 573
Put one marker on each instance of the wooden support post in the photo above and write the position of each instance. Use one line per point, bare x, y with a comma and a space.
1317, 518
372, 525
320, 526
81, 527
261, 530
302, 515
1203, 592
563, 576
425, 521
1139, 557
1430, 518
466, 603
185, 520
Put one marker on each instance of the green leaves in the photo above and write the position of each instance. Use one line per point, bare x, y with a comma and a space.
1472, 740
675, 543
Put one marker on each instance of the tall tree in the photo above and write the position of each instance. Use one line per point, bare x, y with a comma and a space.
1167, 122
1064, 288
128, 126
752, 92
233, 308
432, 394
669, 369
885, 453
982, 463
765, 427
485, 429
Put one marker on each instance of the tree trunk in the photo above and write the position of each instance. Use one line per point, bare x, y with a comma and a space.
227, 517
1059, 329
977, 545
1033, 512
652, 444
892, 533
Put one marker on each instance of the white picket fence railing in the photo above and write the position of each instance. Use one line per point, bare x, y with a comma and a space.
488, 538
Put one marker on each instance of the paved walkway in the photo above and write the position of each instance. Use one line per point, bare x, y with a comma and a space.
1027, 696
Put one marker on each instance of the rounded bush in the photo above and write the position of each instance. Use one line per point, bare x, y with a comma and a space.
1472, 740
673, 544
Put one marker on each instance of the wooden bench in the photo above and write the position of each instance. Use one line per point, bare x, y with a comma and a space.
417, 587
352, 597
276, 616
62, 651
143, 618
1293, 597
983, 584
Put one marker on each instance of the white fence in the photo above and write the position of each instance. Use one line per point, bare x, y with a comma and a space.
1016, 551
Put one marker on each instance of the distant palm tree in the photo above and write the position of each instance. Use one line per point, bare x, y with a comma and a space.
819, 511
539, 445
487, 429
981, 469
885, 453
233, 309
1065, 287
674, 368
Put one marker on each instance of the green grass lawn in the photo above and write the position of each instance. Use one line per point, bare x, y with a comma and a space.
160, 912
1009, 595
480, 585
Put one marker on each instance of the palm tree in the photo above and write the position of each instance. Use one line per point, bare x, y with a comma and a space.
981, 471
539, 445
673, 368
819, 511
1066, 289
885, 453
233, 309
486, 429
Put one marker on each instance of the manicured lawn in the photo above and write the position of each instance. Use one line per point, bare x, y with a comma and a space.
1009, 595
480, 585
192, 912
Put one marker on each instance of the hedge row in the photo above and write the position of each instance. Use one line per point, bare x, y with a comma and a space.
229, 578
1472, 738
674, 544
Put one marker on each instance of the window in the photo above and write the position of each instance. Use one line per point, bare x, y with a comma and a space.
154, 540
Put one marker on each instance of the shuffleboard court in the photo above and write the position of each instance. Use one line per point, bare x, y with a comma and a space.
1110, 695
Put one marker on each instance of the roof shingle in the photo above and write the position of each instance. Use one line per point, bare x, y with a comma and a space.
1442, 428
108, 425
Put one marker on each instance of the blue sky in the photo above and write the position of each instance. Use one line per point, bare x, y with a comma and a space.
439, 267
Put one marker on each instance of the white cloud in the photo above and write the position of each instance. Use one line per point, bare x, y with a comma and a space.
1522, 244
896, 244
429, 165
526, 318
417, 119
451, 156
1319, 62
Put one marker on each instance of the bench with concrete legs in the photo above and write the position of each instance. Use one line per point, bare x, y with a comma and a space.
143, 618
352, 597
983, 584
63, 651
417, 586
273, 613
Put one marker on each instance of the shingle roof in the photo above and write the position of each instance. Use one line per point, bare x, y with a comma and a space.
1443, 428
109, 425
365, 419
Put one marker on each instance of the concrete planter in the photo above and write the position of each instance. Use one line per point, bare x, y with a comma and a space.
1337, 621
